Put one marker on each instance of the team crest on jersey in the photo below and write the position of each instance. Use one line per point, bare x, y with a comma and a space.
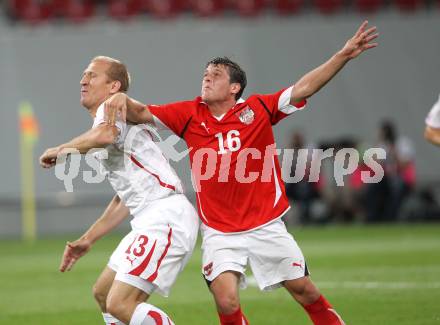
246, 116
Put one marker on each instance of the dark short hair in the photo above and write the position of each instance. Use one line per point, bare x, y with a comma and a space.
117, 71
236, 73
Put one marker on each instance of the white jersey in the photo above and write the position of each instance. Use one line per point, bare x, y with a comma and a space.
433, 118
136, 167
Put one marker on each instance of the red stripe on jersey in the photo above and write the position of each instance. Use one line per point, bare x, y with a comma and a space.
138, 270
154, 275
137, 163
156, 316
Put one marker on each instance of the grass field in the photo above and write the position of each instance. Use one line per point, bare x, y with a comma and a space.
372, 275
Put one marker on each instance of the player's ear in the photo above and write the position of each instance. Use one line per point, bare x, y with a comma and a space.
116, 86
235, 88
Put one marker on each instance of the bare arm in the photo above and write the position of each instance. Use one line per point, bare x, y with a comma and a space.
129, 109
97, 137
313, 81
113, 215
432, 135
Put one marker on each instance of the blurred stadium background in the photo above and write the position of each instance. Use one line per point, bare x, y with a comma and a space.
46, 44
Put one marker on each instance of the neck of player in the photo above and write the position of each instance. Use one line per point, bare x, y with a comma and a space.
92, 110
219, 108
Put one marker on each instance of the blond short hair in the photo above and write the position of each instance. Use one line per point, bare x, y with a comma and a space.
117, 71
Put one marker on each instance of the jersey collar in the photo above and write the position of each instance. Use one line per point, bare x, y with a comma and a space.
239, 101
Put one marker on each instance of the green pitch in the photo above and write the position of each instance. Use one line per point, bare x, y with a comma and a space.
372, 275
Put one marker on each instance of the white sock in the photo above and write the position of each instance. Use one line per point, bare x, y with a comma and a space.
146, 314
110, 320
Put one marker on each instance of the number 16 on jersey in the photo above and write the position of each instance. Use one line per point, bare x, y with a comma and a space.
232, 142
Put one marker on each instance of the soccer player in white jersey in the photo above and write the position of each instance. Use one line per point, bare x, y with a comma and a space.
240, 196
432, 129
164, 224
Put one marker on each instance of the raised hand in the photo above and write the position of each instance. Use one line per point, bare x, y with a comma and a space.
73, 252
361, 41
49, 158
115, 107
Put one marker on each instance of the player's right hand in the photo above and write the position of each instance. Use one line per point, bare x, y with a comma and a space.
73, 252
360, 42
49, 157
115, 107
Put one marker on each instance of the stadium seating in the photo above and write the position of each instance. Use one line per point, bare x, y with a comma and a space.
368, 6
123, 9
164, 8
248, 8
37, 11
31, 11
328, 6
75, 10
288, 7
408, 5
207, 8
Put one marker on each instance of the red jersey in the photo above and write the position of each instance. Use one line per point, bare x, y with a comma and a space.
233, 159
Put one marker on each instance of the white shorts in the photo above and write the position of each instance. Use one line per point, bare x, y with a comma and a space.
272, 253
162, 240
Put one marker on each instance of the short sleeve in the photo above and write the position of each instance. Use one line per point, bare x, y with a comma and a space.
433, 118
99, 119
174, 116
278, 104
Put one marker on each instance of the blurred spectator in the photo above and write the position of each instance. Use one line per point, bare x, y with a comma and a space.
424, 206
344, 202
304, 195
384, 199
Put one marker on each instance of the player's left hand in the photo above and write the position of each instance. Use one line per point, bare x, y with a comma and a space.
115, 107
360, 42
49, 158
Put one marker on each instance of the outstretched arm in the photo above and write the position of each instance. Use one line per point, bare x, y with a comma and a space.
97, 137
313, 81
113, 215
432, 135
127, 108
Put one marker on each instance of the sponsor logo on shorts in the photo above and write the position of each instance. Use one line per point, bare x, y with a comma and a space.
207, 269
297, 264
131, 260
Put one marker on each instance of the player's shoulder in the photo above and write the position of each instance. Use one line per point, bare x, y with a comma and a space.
435, 110
249, 100
253, 97
182, 104
256, 100
189, 103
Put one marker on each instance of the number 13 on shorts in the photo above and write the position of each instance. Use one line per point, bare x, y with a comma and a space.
144, 255
138, 248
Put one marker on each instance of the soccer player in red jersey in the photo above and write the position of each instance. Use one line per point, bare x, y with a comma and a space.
240, 195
